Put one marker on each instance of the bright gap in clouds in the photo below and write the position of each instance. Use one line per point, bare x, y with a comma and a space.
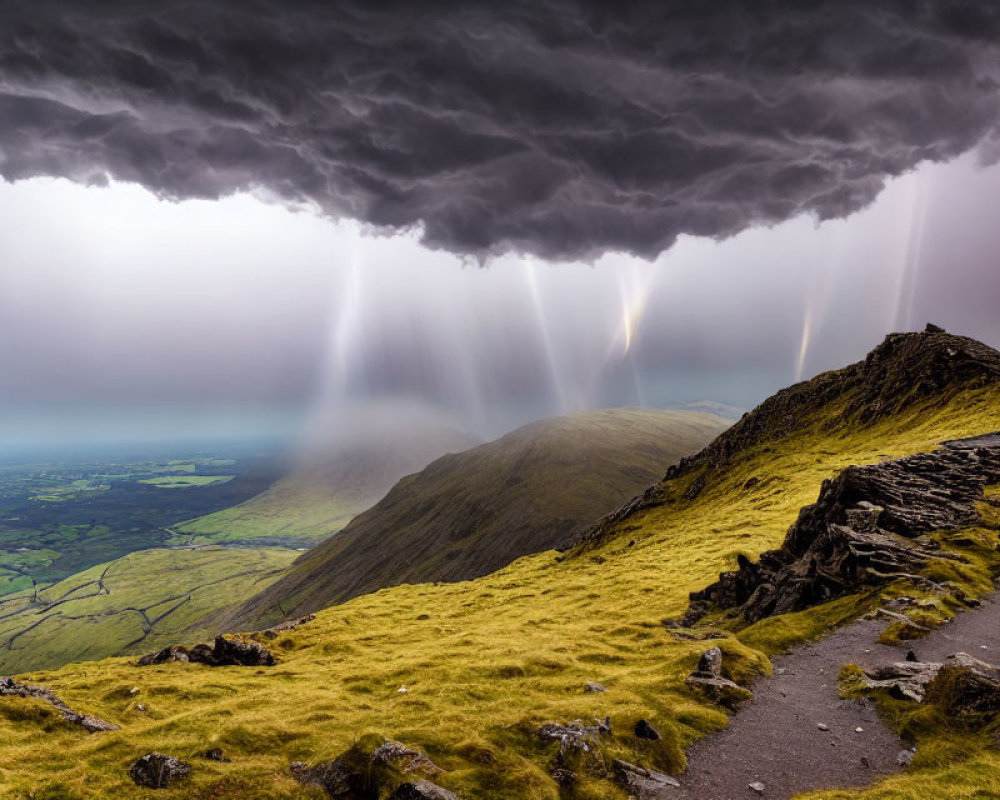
123, 316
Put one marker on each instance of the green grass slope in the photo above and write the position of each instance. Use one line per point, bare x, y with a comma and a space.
334, 483
471, 513
485, 662
137, 603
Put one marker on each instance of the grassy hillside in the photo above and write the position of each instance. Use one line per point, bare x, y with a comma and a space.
485, 662
470, 513
136, 603
334, 483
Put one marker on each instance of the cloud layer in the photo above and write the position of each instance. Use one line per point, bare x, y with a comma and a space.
558, 128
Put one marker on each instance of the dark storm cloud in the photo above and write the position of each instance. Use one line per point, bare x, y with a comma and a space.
551, 127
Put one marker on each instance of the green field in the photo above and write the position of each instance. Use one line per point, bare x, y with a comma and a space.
487, 661
185, 481
140, 602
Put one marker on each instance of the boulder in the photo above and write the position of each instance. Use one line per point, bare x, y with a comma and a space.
707, 679
643, 784
223, 653
965, 688
422, 790
157, 770
593, 687
643, 730
368, 770
398, 755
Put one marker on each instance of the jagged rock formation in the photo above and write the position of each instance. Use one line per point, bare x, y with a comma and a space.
11, 688
866, 529
906, 368
157, 770
224, 653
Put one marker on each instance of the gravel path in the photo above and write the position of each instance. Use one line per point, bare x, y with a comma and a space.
777, 739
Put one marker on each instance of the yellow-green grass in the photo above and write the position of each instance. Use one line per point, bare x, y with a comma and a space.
139, 602
183, 481
301, 514
484, 662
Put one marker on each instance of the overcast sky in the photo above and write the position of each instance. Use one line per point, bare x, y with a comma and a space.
221, 218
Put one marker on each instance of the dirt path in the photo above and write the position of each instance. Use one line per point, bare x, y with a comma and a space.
777, 740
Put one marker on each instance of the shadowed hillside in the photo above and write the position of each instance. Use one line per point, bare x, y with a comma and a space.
471, 513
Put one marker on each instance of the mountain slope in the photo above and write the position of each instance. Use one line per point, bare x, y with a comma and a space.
468, 514
335, 482
485, 663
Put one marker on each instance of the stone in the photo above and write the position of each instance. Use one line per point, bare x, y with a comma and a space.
707, 679
904, 758
904, 680
367, 770
158, 770
642, 783
215, 754
284, 627
756, 786
223, 653
406, 759
643, 730
422, 790
593, 687
966, 689
11, 688
822, 726
932, 328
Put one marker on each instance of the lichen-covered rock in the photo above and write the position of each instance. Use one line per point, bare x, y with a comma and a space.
157, 770
223, 653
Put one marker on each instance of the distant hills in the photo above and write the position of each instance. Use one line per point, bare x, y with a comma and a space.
333, 482
471, 513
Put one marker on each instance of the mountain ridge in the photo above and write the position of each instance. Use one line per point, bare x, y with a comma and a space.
467, 514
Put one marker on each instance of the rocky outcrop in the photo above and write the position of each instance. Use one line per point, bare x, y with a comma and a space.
370, 769
963, 687
867, 528
905, 369
223, 653
158, 771
11, 688
707, 679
